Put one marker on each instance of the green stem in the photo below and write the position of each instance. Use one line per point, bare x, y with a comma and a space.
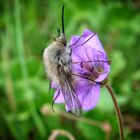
117, 109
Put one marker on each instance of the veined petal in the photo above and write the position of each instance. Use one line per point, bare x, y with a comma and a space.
93, 42
89, 95
91, 51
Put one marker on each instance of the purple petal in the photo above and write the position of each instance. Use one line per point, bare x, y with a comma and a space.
102, 76
60, 98
89, 100
74, 40
94, 41
89, 49
92, 50
87, 33
54, 85
88, 94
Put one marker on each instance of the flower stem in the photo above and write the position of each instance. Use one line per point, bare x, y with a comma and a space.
117, 109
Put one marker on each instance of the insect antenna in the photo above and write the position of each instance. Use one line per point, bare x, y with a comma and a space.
55, 100
85, 77
63, 26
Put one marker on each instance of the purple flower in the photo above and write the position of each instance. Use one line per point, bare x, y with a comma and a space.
90, 67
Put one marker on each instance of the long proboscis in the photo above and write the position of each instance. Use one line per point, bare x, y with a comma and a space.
63, 26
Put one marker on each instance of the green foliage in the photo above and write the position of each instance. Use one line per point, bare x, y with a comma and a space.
27, 27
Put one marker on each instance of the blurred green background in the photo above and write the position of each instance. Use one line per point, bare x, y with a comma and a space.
26, 28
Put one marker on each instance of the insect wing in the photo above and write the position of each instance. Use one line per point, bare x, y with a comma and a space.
71, 99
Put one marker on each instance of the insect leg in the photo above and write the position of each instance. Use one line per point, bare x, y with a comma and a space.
49, 87
83, 42
86, 40
55, 100
85, 77
92, 61
76, 41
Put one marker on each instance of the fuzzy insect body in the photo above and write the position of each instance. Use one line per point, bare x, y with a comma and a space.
57, 61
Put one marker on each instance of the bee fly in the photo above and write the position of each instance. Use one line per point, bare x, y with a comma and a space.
57, 62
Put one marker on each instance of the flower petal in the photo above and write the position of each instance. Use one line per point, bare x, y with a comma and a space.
88, 94
58, 97
94, 41
91, 51
90, 99
106, 69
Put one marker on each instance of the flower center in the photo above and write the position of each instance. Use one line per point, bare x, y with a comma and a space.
92, 71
